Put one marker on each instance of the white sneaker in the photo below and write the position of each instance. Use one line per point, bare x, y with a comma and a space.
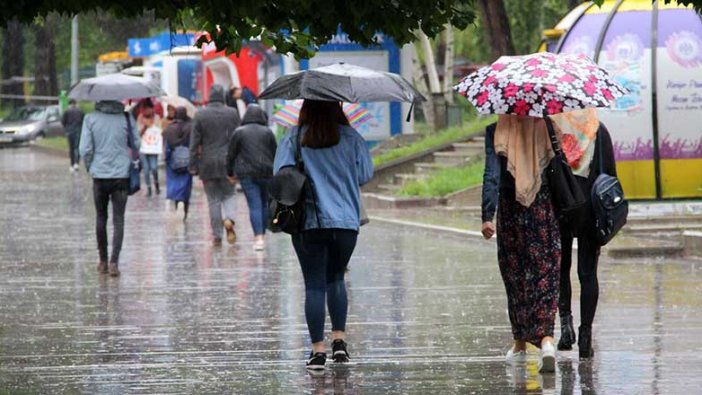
547, 359
515, 357
76, 167
259, 245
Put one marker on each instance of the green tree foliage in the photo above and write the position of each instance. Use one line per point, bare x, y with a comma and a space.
99, 33
529, 18
292, 26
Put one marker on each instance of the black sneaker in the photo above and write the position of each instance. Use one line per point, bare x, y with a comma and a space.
317, 361
339, 352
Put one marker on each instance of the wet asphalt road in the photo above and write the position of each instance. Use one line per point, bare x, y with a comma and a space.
427, 312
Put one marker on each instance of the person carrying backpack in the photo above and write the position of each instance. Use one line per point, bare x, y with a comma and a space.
337, 162
588, 148
179, 181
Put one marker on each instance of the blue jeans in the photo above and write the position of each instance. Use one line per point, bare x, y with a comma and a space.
324, 255
256, 191
150, 165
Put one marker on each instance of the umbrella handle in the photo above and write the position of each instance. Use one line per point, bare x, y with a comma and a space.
409, 113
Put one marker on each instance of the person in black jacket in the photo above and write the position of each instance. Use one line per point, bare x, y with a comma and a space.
593, 156
72, 121
251, 153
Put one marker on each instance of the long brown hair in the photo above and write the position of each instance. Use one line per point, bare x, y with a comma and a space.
322, 119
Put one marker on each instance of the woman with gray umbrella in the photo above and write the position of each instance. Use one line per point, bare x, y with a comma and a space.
337, 162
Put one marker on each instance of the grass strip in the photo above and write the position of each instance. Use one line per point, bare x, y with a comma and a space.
445, 181
56, 142
435, 140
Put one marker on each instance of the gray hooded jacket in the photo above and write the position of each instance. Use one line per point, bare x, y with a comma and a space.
253, 146
103, 141
209, 141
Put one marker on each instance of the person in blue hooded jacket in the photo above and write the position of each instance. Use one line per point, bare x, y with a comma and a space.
104, 148
337, 162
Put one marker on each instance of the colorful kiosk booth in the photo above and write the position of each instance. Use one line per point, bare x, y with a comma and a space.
655, 50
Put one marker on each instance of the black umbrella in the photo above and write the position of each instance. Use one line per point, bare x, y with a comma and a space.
345, 83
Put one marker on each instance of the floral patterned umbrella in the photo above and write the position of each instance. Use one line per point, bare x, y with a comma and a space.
535, 84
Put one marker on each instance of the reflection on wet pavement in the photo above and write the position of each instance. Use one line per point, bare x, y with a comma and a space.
427, 312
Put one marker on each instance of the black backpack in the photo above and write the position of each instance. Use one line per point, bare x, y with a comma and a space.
289, 189
609, 206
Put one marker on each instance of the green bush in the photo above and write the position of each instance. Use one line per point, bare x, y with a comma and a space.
434, 140
445, 181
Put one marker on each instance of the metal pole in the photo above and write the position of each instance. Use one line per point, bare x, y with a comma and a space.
74, 50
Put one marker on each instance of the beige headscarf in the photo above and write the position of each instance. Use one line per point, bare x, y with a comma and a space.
525, 143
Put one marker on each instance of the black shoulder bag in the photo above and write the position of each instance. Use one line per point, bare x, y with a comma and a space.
134, 162
288, 195
609, 206
568, 198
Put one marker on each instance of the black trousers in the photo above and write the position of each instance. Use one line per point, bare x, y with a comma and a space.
105, 191
73, 141
588, 257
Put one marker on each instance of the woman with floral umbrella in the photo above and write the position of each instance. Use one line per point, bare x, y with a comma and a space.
524, 90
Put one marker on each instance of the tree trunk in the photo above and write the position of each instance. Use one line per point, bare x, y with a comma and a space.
12, 61
448, 65
493, 17
430, 63
437, 102
45, 83
420, 82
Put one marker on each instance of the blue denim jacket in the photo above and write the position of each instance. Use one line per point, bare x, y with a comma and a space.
336, 173
492, 176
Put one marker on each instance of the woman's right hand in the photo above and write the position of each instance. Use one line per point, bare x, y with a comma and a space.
488, 230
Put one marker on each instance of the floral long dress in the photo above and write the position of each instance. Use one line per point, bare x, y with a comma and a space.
529, 255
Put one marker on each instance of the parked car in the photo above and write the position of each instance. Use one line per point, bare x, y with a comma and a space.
29, 122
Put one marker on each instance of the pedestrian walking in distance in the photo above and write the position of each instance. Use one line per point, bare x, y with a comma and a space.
209, 145
251, 154
105, 151
151, 144
179, 181
585, 142
72, 121
337, 162
517, 151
